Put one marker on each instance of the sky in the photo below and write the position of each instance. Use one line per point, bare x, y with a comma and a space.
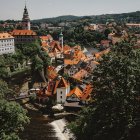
38, 9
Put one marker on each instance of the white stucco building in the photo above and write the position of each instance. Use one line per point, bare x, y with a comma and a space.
62, 90
6, 43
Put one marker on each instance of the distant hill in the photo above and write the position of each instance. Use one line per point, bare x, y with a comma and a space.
58, 19
124, 17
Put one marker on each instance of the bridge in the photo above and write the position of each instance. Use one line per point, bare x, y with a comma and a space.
20, 97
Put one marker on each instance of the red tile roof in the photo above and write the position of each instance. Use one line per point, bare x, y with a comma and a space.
52, 74
80, 74
23, 32
5, 36
75, 91
62, 83
87, 91
46, 38
81, 95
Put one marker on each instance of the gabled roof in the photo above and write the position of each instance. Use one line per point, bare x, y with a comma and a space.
87, 91
52, 74
66, 48
44, 44
23, 32
62, 83
81, 95
76, 91
46, 38
71, 62
80, 74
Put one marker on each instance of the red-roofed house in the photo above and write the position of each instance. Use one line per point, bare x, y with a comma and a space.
77, 95
80, 75
57, 88
7, 44
24, 36
62, 90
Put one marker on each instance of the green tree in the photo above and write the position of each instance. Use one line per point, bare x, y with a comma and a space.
3, 68
12, 120
12, 116
106, 32
114, 104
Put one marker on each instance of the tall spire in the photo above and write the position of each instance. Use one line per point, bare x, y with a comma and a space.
26, 19
61, 39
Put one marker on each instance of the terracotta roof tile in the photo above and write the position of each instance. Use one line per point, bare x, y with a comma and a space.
87, 91
62, 83
75, 91
5, 36
23, 32
52, 74
80, 74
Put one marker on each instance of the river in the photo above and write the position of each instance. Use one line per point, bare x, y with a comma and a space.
39, 128
44, 128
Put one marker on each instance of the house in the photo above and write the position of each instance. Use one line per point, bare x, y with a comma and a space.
80, 75
92, 27
24, 36
52, 73
46, 39
62, 90
7, 44
116, 38
71, 69
74, 95
75, 56
80, 95
54, 49
56, 89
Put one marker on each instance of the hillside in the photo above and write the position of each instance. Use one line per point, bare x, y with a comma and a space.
58, 19
124, 17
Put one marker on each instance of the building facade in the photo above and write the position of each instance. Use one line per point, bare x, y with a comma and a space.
6, 43
62, 90
24, 36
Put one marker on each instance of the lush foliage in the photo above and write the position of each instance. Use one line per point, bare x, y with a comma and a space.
124, 17
77, 35
12, 115
12, 120
114, 104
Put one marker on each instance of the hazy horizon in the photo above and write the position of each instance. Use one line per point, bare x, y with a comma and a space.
54, 8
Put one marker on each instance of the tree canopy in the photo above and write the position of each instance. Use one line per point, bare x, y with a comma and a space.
114, 103
12, 116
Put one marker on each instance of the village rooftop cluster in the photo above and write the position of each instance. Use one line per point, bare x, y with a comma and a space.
70, 75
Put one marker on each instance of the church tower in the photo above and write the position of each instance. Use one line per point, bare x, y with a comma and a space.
61, 40
26, 20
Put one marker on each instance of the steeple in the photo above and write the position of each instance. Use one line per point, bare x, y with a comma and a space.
26, 19
61, 40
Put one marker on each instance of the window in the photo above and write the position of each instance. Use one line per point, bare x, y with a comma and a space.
61, 92
61, 97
